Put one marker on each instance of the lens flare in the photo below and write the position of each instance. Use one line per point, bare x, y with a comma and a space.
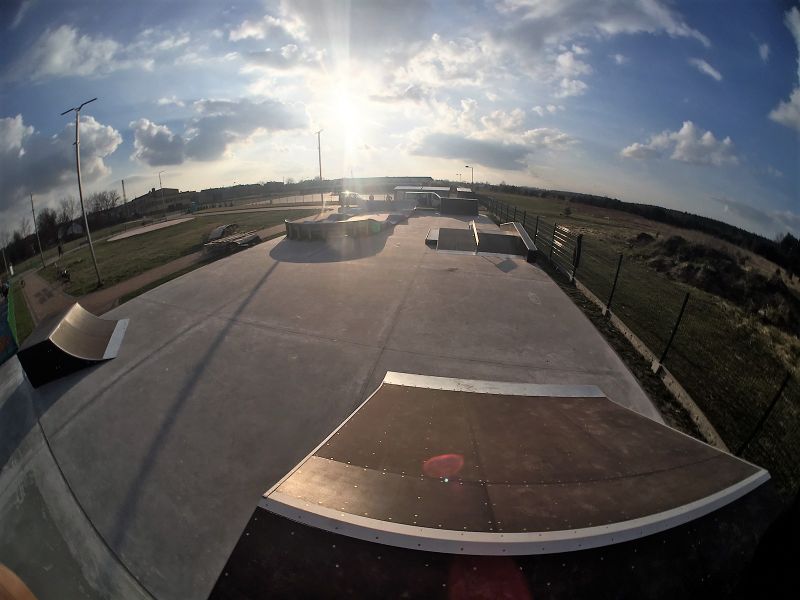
443, 465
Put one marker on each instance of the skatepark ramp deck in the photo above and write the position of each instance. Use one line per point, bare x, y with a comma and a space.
563, 468
512, 239
68, 341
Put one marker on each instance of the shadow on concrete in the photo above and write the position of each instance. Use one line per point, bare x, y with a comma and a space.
331, 250
129, 506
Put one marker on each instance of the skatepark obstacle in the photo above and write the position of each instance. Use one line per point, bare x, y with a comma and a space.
67, 341
563, 468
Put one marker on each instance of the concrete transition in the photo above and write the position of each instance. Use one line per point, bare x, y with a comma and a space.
68, 341
333, 225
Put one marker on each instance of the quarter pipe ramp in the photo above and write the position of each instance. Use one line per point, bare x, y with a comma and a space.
68, 341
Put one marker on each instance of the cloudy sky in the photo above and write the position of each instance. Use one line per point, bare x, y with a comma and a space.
693, 105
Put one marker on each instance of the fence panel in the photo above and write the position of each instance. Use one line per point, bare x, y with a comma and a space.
778, 443
726, 365
597, 267
648, 303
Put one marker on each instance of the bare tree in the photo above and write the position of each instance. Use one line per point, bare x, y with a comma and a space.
102, 201
67, 209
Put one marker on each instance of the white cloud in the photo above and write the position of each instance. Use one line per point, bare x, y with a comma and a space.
571, 87
690, 144
569, 66
65, 52
788, 112
547, 137
620, 59
550, 108
34, 163
268, 26
539, 22
12, 134
24, 7
209, 135
500, 120
763, 51
156, 145
288, 57
172, 100
705, 68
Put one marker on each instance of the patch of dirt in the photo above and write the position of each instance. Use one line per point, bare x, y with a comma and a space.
725, 275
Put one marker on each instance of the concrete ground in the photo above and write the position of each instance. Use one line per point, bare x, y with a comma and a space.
147, 229
230, 374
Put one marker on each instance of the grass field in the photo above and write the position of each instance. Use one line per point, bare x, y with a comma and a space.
731, 364
23, 322
126, 258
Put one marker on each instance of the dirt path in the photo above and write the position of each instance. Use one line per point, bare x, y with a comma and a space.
44, 298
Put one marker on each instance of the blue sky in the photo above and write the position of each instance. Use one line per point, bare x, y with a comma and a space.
690, 105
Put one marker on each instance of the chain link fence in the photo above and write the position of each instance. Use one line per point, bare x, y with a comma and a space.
719, 356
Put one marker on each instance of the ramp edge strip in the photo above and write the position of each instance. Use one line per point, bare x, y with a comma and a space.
501, 388
499, 544
116, 339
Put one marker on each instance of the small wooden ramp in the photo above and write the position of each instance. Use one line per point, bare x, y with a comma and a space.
68, 341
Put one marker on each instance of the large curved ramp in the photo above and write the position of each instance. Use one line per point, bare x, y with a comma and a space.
68, 341
490, 468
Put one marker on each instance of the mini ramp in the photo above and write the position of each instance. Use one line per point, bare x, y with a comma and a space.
511, 240
68, 341
437, 466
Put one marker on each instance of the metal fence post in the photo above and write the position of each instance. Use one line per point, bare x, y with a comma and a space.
614, 285
765, 416
536, 231
552, 242
524, 218
576, 259
674, 329
515, 214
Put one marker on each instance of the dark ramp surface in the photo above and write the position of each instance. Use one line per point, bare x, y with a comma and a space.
68, 341
487, 468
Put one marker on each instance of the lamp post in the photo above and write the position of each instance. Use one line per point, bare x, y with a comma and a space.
473, 174
36, 229
319, 155
77, 111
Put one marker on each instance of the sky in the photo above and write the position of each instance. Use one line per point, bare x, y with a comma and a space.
692, 105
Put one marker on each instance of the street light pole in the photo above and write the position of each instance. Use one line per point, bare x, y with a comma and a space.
80, 185
319, 154
473, 175
36, 229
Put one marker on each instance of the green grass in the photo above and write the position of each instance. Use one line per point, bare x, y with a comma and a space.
123, 259
23, 322
729, 363
171, 276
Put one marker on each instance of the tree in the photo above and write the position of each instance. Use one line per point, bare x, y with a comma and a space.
47, 224
103, 201
67, 209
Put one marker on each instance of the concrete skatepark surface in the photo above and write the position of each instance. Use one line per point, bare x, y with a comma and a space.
231, 374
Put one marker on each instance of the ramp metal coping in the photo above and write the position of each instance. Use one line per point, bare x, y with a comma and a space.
116, 339
493, 543
475, 233
500, 544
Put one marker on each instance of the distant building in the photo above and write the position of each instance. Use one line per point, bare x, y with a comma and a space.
162, 200
453, 191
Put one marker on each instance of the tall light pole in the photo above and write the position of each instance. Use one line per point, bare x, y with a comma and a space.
36, 230
80, 185
319, 154
473, 175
